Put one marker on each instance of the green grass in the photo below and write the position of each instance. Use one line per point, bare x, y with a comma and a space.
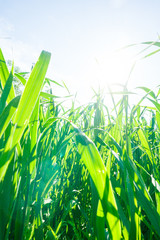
88, 172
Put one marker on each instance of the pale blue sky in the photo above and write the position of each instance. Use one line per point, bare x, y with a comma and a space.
81, 35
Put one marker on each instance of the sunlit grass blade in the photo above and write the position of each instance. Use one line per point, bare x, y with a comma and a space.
52, 81
8, 113
142, 195
150, 210
5, 92
25, 108
100, 222
49, 96
4, 74
149, 91
145, 144
22, 79
33, 133
100, 177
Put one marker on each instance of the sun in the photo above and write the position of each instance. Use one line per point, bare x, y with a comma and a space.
111, 69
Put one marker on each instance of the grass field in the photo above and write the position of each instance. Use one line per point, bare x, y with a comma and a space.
88, 172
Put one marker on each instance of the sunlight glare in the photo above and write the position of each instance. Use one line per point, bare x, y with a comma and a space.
112, 69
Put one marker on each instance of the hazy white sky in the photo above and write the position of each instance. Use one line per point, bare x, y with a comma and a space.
82, 37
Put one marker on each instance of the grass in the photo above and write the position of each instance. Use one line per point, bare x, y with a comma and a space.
82, 173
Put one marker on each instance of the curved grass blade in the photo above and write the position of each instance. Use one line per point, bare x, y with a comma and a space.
33, 133
25, 108
22, 79
94, 163
149, 208
7, 114
4, 74
145, 144
5, 92
48, 80
149, 91
49, 96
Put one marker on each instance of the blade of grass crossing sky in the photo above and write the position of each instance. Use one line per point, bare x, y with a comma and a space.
22, 79
25, 108
5, 92
4, 74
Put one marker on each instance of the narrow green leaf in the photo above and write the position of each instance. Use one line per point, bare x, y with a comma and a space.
158, 119
152, 53
150, 210
5, 92
4, 74
33, 132
25, 108
22, 79
149, 91
145, 144
157, 105
92, 159
7, 114
50, 80
152, 43
49, 96
100, 222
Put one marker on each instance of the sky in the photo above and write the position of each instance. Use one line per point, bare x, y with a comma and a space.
85, 39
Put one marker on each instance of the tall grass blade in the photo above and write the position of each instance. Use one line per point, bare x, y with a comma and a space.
100, 177
5, 92
33, 133
25, 108
4, 74
7, 114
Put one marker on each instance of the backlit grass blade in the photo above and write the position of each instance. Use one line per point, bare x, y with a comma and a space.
22, 79
157, 195
145, 144
31, 91
4, 74
100, 222
142, 195
5, 92
150, 210
49, 96
135, 222
48, 80
7, 114
25, 108
149, 91
33, 133
157, 105
92, 159
157, 44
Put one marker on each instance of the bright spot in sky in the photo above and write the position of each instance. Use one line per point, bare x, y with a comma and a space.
107, 69
111, 69
117, 3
